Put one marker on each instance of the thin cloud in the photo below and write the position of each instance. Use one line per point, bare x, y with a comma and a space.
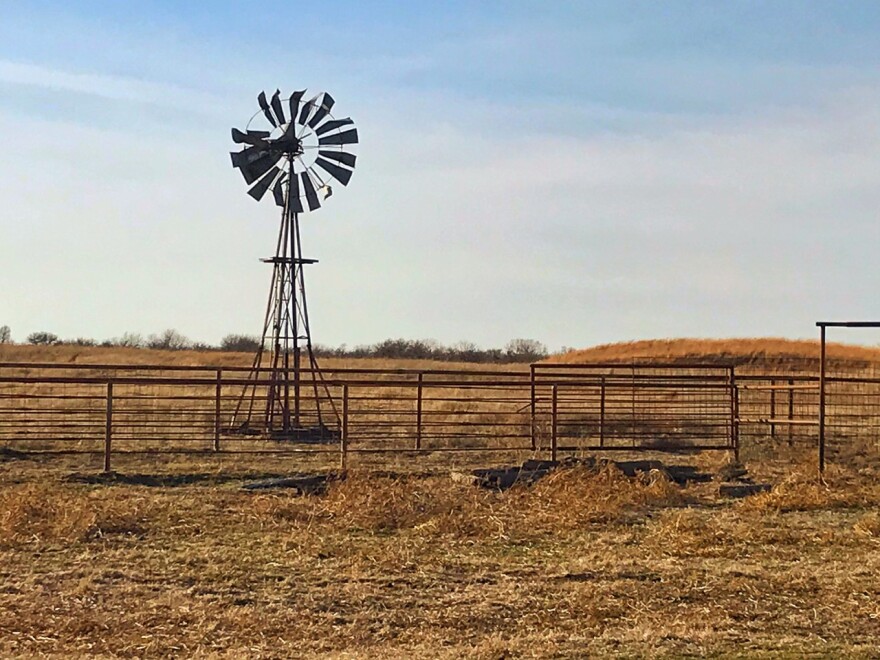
117, 88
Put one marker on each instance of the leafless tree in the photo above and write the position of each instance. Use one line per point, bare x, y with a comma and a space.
169, 340
240, 343
43, 338
525, 350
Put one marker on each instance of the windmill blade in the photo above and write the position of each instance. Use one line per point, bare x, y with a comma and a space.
346, 137
339, 173
322, 111
293, 193
278, 190
276, 107
258, 168
307, 109
264, 106
309, 189
293, 102
255, 138
263, 184
340, 156
247, 156
333, 123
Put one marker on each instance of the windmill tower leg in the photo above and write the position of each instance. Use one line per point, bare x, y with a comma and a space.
286, 331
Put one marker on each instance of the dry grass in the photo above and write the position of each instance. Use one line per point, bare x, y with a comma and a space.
142, 356
582, 563
765, 351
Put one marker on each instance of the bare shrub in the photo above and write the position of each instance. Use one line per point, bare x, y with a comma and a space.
43, 339
81, 341
525, 350
129, 340
240, 343
5, 334
169, 340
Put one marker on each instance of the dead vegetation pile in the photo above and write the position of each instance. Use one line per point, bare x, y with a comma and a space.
566, 500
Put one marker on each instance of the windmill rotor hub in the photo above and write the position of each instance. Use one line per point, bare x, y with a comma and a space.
295, 147
289, 146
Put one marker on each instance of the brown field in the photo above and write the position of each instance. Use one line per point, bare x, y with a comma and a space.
408, 564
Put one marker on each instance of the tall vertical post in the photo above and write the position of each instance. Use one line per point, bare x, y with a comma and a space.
821, 399
772, 408
602, 411
419, 410
532, 406
218, 391
554, 420
734, 412
108, 428
790, 410
343, 439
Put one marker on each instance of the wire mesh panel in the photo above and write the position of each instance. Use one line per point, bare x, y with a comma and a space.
635, 407
852, 422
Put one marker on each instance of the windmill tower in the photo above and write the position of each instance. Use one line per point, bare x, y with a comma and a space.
296, 149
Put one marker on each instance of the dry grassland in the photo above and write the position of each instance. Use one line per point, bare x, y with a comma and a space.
581, 563
405, 565
143, 356
767, 350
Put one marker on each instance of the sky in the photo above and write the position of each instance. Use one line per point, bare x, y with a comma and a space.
573, 172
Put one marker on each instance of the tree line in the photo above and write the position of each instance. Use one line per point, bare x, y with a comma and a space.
516, 350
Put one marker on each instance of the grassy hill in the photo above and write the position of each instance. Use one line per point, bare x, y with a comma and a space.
771, 353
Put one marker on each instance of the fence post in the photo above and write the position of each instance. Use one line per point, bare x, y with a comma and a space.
772, 408
734, 413
217, 394
532, 407
602, 412
790, 410
419, 411
343, 437
553, 425
821, 399
108, 429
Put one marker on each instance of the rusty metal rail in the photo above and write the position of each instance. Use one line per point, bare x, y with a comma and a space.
109, 410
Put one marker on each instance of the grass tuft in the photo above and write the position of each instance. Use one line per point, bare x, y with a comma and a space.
35, 513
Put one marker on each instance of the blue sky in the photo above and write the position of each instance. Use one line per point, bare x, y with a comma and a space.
574, 172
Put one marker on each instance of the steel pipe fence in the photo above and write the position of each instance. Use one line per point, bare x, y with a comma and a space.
112, 409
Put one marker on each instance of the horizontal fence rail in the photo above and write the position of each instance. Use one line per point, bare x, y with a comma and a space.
116, 409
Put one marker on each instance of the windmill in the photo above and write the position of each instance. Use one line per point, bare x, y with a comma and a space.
294, 148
